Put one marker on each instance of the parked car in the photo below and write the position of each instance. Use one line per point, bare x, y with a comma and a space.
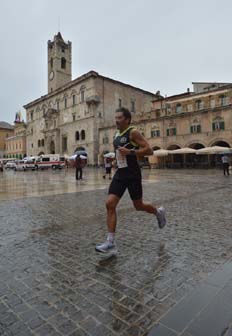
10, 165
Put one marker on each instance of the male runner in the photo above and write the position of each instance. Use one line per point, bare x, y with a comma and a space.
128, 143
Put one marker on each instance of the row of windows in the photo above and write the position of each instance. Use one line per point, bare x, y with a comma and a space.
216, 126
13, 146
57, 104
199, 105
132, 107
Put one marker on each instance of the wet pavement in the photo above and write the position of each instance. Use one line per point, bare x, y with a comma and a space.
175, 281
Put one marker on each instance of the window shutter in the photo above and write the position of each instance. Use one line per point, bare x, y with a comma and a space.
213, 126
198, 128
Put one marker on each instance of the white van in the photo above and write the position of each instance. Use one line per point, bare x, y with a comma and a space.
54, 161
25, 164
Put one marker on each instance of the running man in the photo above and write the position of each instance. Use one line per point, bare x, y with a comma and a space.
128, 143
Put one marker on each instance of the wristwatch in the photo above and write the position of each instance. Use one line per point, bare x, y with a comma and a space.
132, 151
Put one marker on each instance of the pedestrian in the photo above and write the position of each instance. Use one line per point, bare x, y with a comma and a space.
78, 168
128, 144
225, 164
108, 167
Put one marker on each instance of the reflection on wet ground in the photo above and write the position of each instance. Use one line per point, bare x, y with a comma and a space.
22, 184
52, 282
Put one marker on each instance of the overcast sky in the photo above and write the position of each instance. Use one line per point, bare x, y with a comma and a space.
155, 45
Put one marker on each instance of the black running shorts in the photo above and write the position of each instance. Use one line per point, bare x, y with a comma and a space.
134, 186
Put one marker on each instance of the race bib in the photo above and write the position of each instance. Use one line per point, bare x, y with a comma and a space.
121, 160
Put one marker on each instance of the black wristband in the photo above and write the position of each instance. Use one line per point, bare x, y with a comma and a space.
132, 151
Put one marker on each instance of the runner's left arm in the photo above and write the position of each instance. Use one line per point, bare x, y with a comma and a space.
138, 138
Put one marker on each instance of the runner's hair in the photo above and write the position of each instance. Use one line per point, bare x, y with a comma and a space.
126, 113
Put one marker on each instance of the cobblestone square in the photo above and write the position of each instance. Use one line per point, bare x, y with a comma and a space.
52, 282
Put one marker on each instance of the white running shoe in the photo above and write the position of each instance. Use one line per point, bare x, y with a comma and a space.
106, 247
161, 217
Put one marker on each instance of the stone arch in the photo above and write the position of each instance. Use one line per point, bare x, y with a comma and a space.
195, 145
173, 146
220, 142
80, 148
155, 148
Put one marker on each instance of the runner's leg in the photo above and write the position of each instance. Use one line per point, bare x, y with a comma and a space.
111, 204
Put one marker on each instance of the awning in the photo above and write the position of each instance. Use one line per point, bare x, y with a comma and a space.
184, 150
161, 152
213, 150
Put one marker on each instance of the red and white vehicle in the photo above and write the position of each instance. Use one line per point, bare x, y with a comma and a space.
54, 161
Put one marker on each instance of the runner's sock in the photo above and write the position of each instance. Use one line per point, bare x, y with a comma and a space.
111, 237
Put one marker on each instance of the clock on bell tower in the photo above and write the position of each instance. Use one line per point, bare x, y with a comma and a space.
59, 62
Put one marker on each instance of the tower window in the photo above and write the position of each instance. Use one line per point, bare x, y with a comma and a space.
65, 102
63, 63
74, 99
51, 62
120, 103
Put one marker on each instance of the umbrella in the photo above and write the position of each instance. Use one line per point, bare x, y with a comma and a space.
161, 152
83, 157
110, 155
73, 157
213, 150
81, 152
184, 150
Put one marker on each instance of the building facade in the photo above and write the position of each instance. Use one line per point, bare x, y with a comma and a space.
74, 112
6, 130
198, 119
16, 143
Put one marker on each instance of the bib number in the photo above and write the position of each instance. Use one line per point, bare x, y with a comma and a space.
121, 160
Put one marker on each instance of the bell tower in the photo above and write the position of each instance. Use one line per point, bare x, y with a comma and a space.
59, 62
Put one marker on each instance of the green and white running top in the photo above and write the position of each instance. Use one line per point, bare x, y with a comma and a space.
128, 166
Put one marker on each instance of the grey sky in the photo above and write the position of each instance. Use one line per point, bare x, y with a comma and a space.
155, 45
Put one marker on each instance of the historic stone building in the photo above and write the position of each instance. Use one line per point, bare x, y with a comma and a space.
6, 130
78, 113
202, 118
16, 143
